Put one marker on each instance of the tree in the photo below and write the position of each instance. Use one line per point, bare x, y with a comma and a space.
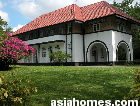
129, 7
4, 29
132, 10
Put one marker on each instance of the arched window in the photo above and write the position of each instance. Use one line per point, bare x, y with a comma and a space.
43, 52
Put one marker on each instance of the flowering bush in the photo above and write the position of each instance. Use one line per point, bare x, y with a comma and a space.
13, 49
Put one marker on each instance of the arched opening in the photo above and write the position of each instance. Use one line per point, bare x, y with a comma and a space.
123, 52
97, 52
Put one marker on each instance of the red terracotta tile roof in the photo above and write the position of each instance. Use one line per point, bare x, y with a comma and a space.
102, 9
73, 12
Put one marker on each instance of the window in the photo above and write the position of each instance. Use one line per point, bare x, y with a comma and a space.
96, 27
31, 35
43, 52
41, 33
62, 31
50, 49
27, 37
69, 28
121, 27
52, 32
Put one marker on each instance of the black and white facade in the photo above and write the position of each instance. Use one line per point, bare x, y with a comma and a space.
105, 39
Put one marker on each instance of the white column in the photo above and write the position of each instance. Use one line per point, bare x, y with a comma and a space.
112, 51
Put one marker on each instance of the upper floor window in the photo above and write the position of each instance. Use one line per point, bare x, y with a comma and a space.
27, 36
122, 27
43, 52
41, 33
31, 36
62, 30
96, 27
69, 28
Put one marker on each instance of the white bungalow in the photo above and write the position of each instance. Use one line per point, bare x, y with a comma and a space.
95, 33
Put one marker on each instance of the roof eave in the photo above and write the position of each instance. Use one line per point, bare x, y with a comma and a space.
132, 20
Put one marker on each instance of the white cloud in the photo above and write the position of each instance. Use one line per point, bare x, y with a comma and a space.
1, 4
29, 9
34, 8
4, 15
86, 2
17, 27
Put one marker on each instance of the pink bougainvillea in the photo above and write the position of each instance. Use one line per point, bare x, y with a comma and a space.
14, 49
9, 34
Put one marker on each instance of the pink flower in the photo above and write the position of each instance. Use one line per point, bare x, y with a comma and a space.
8, 34
13, 49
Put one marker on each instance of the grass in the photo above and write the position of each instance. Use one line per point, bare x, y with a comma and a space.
61, 82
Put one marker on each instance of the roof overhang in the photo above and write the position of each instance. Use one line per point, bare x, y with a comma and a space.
56, 41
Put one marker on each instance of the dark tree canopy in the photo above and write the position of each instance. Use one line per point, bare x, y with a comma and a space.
133, 10
129, 7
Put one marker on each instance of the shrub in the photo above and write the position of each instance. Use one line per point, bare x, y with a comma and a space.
137, 76
59, 56
13, 92
135, 90
13, 49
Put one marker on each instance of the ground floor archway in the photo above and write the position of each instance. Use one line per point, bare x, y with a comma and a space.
97, 52
123, 52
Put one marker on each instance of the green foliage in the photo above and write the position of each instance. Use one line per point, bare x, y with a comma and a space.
136, 43
4, 29
133, 10
128, 7
121, 53
125, 5
59, 56
135, 90
137, 76
13, 92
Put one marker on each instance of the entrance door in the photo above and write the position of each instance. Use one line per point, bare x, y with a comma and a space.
94, 55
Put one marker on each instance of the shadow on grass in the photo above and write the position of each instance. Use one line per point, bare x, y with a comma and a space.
5, 68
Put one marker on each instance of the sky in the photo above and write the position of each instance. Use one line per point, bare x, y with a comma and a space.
20, 12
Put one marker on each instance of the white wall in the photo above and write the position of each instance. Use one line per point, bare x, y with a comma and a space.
46, 39
46, 46
111, 39
69, 47
39, 50
105, 37
118, 37
77, 51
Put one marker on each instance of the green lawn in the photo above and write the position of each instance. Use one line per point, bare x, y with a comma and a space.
61, 82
